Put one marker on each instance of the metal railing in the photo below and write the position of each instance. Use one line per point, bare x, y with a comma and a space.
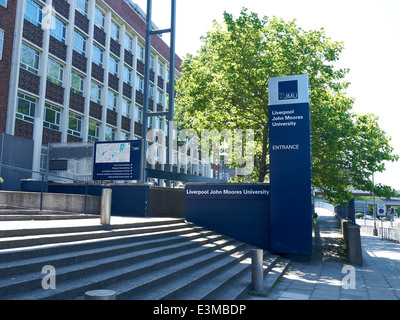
45, 175
326, 205
384, 230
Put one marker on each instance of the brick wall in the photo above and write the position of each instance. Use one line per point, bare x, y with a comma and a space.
131, 17
7, 23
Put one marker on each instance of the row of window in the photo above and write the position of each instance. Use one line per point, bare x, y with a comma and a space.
55, 74
33, 14
26, 108
30, 62
30, 57
55, 71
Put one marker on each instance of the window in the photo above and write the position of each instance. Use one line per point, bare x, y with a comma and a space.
95, 93
43, 159
140, 52
160, 97
79, 43
110, 134
151, 92
29, 59
82, 6
160, 68
93, 130
157, 152
33, 13
125, 108
3, 3
59, 30
1, 44
77, 82
26, 108
97, 55
99, 18
75, 124
158, 123
138, 114
152, 62
111, 100
55, 72
139, 83
114, 32
52, 117
128, 42
113, 66
125, 135
127, 75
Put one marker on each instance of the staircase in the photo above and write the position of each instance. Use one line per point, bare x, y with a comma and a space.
139, 258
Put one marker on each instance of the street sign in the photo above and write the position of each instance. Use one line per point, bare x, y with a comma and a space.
381, 210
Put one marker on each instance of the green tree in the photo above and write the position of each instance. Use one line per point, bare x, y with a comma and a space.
225, 86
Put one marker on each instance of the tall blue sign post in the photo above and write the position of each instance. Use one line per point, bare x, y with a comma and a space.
291, 210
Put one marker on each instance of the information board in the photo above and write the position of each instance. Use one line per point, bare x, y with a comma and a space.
117, 160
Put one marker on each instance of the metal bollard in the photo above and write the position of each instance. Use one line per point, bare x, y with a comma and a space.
257, 276
101, 295
105, 206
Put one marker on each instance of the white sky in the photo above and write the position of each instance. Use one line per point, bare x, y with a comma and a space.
369, 29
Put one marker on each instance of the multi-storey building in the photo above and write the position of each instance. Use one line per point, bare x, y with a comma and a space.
75, 73
7, 14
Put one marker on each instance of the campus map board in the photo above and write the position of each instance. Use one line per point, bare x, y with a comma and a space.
117, 160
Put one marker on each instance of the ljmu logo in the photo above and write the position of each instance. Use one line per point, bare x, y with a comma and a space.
288, 90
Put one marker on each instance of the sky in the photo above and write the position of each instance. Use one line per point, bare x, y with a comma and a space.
369, 29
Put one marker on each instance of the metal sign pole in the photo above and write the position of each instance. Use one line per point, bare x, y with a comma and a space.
171, 111
146, 90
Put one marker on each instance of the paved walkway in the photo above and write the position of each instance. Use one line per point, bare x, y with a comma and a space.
329, 277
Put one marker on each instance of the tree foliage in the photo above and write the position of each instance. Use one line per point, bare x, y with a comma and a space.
225, 86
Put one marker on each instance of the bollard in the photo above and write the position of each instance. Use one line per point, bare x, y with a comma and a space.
257, 271
101, 295
105, 206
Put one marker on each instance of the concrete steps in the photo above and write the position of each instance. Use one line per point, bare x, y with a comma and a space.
146, 259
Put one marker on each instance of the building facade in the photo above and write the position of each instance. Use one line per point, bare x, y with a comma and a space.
76, 74
7, 14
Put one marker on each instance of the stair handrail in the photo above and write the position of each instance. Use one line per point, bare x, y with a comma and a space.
47, 174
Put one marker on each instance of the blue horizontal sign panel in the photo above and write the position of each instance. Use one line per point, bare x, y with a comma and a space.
227, 192
240, 211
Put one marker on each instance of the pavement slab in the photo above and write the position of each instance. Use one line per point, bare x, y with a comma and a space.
329, 277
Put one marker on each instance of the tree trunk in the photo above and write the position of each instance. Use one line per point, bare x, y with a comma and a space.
263, 160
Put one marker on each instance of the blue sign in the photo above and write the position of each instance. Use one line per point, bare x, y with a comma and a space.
226, 192
290, 166
288, 90
240, 211
117, 160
